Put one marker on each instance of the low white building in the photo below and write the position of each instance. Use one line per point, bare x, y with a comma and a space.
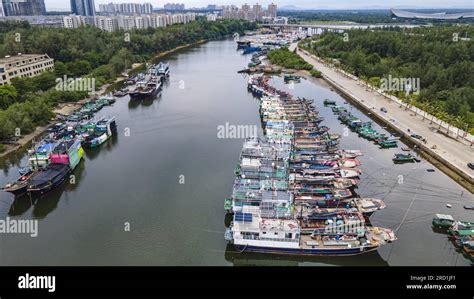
24, 65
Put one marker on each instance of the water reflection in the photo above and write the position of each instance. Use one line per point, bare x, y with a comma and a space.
93, 153
44, 205
237, 258
135, 103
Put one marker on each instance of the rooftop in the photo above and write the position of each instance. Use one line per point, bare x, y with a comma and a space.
21, 57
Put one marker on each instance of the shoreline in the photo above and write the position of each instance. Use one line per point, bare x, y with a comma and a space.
68, 108
435, 156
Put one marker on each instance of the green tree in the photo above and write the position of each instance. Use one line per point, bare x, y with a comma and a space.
8, 95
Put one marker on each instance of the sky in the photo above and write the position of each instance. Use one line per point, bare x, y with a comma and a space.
313, 4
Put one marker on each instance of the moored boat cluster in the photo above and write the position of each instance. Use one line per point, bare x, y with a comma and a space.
147, 84
59, 152
461, 232
364, 129
294, 188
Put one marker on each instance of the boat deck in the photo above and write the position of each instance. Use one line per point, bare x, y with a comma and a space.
306, 242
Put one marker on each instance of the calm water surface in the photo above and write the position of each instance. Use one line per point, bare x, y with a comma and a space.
135, 180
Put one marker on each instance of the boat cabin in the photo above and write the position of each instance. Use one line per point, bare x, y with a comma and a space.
442, 220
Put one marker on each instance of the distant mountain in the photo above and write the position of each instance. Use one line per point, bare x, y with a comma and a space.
291, 8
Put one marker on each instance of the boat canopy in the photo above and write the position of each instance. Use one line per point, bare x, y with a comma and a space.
48, 147
444, 217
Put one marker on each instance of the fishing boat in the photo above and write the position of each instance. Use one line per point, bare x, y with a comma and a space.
120, 93
368, 206
228, 205
48, 179
468, 248
104, 129
40, 155
329, 102
402, 158
443, 221
250, 49
150, 82
20, 185
283, 236
469, 207
388, 143
164, 69
68, 152
146, 89
462, 225
289, 77
242, 44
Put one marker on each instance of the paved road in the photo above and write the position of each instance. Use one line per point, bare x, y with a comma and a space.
455, 152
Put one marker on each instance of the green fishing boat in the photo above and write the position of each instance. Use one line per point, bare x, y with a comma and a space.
463, 225
338, 109
442, 221
329, 102
388, 143
228, 204
289, 77
237, 170
404, 158
458, 233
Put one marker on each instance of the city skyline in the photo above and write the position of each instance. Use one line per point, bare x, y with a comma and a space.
52, 5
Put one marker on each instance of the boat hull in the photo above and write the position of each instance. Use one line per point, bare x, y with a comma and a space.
306, 252
18, 190
144, 95
57, 174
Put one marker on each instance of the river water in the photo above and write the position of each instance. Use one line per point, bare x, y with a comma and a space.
155, 196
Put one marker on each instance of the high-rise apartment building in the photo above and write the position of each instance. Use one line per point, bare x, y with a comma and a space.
255, 13
22, 8
83, 7
272, 11
126, 8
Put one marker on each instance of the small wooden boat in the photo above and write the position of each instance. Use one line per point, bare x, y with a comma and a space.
405, 149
